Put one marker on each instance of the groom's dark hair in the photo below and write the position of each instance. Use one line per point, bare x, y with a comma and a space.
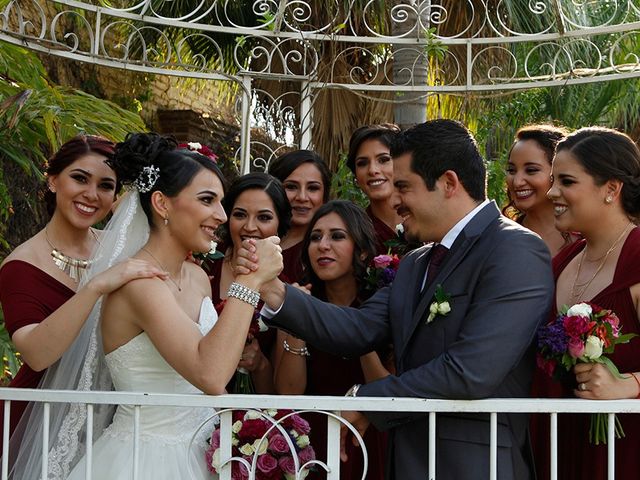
440, 145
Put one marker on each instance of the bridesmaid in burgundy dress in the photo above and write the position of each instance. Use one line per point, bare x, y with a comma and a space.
337, 249
44, 307
370, 161
257, 207
596, 191
307, 181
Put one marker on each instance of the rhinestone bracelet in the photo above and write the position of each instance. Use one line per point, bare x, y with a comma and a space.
239, 291
303, 352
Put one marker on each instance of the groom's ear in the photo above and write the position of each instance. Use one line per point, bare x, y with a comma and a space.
450, 183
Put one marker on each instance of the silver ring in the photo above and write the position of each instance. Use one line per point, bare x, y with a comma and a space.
582, 387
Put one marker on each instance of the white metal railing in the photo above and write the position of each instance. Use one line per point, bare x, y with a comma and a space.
225, 404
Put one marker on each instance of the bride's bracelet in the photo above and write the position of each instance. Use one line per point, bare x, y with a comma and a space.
239, 291
303, 352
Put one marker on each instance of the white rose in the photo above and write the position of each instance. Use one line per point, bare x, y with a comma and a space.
263, 328
433, 308
260, 445
194, 146
592, 348
236, 427
215, 459
213, 246
444, 308
235, 442
302, 441
252, 415
580, 310
272, 412
399, 228
247, 449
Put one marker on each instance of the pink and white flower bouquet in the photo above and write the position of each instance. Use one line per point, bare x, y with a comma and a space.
256, 438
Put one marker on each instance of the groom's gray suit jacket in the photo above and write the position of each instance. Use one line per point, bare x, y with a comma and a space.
499, 277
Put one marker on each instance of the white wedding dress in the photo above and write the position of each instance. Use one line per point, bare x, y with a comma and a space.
167, 448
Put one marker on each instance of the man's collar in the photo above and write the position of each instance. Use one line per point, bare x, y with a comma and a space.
452, 234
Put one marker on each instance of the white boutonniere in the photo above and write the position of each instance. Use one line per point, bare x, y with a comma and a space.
440, 305
399, 230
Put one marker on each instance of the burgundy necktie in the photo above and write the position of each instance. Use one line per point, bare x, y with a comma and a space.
438, 254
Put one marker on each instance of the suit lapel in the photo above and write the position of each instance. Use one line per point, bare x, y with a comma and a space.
466, 239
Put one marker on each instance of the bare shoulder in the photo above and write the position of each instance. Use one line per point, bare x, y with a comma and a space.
140, 291
29, 251
198, 277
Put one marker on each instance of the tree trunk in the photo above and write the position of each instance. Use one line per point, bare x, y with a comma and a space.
410, 64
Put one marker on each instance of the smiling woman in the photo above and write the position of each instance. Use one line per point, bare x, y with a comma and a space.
44, 307
257, 207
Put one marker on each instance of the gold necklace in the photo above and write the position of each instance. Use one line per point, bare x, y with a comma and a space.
74, 267
576, 293
162, 267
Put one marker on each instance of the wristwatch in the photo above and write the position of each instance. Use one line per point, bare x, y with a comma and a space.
353, 391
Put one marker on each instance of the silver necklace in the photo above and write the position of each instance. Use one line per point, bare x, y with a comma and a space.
162, 267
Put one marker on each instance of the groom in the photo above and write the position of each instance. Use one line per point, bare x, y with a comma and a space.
497, 278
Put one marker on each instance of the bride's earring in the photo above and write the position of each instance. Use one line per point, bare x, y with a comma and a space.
166, 220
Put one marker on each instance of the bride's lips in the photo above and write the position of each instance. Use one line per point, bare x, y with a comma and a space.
210, 231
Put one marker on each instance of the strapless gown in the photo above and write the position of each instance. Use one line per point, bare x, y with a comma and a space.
171, 444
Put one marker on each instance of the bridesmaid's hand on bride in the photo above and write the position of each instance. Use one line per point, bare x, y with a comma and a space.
131, 269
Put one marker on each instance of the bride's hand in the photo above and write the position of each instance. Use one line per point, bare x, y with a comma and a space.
121, 273
268, 255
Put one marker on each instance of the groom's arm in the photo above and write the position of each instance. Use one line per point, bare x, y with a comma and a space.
342, 331
510, 302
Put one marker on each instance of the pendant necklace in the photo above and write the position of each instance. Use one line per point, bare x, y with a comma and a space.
74, 267
162, 267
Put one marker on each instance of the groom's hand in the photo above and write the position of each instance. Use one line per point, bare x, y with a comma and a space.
360, 422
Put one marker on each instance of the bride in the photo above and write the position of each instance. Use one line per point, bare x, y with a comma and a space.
154, 335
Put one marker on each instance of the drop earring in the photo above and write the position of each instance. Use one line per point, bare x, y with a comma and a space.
166, 221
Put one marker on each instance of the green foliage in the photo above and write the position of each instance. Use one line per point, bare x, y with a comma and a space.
10, 358
344, 186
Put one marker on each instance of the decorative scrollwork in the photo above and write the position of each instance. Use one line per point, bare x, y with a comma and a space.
288, 57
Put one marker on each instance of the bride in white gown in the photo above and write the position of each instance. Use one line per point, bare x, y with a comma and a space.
154, 335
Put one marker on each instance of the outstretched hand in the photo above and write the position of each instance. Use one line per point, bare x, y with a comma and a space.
122, 273
360, 422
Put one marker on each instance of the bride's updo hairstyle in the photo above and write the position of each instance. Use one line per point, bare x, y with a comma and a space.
607, 154
140, 153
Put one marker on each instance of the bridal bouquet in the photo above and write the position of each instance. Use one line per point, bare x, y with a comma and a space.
584, 332
382, 271
255, 435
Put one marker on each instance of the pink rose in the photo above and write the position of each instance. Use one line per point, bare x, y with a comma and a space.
278, 444
613, 320
287, 465
300, 425
267, 464
239, 471
576, 347
306, 455
215, 439
382, 261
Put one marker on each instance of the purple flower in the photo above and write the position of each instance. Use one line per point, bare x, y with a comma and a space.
386, 277
553, 337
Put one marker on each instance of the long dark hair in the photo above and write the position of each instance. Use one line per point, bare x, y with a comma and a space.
285, 164
177, 166
71, 151
268, 184
384, 133
362, 233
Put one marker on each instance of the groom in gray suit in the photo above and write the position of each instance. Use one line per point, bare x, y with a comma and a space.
498, 281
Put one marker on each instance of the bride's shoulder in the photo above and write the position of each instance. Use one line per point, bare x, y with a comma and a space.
198, 277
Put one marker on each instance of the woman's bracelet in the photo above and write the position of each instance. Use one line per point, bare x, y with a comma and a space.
637, 381
303, 352
239, 291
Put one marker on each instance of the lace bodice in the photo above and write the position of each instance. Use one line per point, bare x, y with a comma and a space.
138, 367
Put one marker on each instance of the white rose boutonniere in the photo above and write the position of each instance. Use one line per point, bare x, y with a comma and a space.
440, 305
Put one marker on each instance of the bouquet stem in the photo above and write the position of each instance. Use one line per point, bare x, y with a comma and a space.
598, 428
243, 383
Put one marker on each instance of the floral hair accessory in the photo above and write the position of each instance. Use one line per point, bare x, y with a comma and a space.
147, 179
201, 149
440, 306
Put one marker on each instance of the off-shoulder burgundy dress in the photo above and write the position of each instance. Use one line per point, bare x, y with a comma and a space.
577, 458
28, 295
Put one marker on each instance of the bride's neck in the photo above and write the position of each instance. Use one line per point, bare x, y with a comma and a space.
166, 251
